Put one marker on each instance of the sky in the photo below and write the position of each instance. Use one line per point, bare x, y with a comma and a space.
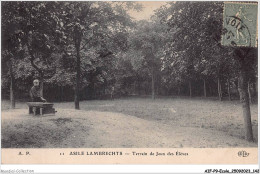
148, 8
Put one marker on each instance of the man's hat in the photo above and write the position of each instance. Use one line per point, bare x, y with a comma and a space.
36, 80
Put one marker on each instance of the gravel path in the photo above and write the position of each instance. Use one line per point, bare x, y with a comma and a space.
92, 129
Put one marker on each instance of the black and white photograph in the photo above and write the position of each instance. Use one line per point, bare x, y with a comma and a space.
129, 74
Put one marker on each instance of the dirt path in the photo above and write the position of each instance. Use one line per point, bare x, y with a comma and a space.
70, 128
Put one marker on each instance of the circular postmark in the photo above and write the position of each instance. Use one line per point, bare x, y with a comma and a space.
236, 32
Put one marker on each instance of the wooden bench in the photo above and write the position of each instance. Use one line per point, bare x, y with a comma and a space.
40, 108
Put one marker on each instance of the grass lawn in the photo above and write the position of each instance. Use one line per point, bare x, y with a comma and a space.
206, 114
209, 114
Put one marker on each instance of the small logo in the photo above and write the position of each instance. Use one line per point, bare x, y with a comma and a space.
243, 153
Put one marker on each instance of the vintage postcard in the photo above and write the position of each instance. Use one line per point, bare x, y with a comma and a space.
129, 82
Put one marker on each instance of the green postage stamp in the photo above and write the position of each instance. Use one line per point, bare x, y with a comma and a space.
240, 24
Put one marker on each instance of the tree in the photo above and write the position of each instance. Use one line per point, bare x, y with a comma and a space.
92, 24
196, 36
246, 59
34, 27
187, 26
87, 36
11, 49
148, 39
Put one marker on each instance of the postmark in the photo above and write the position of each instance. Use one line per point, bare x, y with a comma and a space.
239, 24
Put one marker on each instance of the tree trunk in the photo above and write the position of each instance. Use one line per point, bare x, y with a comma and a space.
77, 39
179, 90
153, 90
76, 99
249, 92
61, 95
94, 90
41, 84
228, 85
139, 88
220, 87
237, 81
190, 89
104, 89
210, 89
254, 92
135, 87
32, 58
157, 90
244, 99
219, 90
12, 86
205, 90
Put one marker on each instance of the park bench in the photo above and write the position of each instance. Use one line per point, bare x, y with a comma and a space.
40, 108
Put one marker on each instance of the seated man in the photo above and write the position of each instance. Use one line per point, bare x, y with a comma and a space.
35, 92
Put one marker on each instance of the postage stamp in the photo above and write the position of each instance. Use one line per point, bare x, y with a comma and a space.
239, 24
